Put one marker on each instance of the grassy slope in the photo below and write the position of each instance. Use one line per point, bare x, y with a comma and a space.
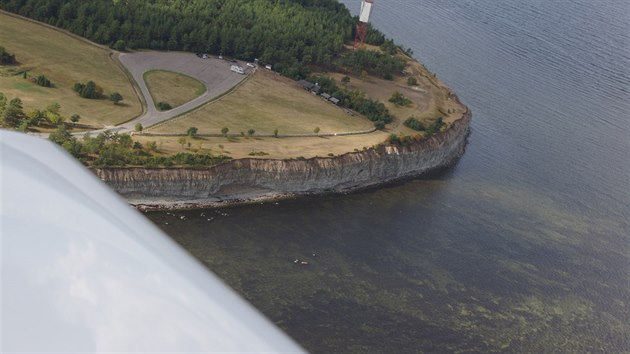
64, 60
173, 88
266, 102
427, 97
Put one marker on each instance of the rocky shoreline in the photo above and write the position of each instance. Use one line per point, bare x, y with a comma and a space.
252, 180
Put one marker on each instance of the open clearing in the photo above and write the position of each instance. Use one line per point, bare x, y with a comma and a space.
266, 102
64, 60
173, 88
278, 148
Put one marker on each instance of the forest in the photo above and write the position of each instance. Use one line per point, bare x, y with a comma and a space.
290, 34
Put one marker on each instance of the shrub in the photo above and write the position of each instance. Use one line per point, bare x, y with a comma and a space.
115, 97
192, 131
43, 81
138, 127
163, 106
399, 99
6, 58
414, 124
412, 81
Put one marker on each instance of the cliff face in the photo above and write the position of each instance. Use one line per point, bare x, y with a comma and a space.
247, 179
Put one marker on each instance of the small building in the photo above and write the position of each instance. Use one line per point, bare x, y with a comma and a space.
268, 66
306, 84
326, 96
251, 65
316, 89
334, 100
237, 69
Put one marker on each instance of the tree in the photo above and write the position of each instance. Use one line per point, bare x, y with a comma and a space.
251, 132
53, 107
60, 135
364, 75
275, 133
88, 90
399, 99
181, 140
138, 127
35, 116
115, 97
12, 114
345, 80
120, 45
54, 118
43, 81
163, 106
224, 131
412, 81
75, 118
6, 58
192, 131
3, 102
316, 130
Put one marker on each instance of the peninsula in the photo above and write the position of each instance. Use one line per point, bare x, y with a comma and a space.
227, 123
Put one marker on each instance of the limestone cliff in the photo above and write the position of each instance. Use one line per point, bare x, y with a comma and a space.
250, 179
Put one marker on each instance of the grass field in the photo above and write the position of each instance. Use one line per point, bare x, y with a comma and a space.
264, 103
279, 148
173, 88
64, 60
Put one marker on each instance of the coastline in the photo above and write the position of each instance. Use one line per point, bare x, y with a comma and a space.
249, 180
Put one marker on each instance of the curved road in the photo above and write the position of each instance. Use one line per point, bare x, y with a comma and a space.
214, 73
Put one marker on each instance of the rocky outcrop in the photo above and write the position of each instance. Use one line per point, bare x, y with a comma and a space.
254, 179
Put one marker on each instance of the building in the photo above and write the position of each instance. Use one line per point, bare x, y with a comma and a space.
306, 85
268, 66
334, 100
316, 89
326, 96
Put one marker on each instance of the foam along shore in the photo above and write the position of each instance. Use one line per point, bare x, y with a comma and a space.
251, 180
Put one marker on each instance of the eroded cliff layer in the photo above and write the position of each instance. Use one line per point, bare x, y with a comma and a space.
251, 179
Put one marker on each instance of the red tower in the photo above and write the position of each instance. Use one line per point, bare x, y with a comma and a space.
362, 26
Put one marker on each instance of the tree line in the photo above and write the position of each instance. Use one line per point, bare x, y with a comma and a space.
119, 150
291, 34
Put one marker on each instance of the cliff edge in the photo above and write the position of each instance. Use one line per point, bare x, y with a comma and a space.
246, 180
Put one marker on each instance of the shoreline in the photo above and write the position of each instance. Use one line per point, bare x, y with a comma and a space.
251, 181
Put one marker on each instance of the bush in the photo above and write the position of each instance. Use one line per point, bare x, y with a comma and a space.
412, 81
43, 81
115, 97
138, 127
192, 131
399, 99
163, 106
414, 124
6, 58
119, 45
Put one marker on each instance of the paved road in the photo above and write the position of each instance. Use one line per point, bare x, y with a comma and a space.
212, 72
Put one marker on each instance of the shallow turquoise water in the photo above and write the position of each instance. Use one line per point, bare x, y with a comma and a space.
522, 246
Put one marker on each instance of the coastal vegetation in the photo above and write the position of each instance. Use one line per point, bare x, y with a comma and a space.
118, 150
169, 89
64, 61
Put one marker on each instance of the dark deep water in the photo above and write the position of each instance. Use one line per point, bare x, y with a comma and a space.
521, 247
